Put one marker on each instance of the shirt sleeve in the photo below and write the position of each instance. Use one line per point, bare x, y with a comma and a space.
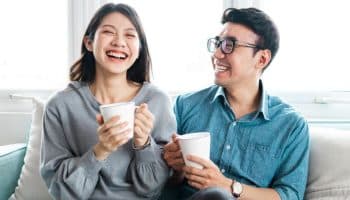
291, 178
149, 172
66, 176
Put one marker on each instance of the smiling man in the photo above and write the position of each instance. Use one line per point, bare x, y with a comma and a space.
259, 144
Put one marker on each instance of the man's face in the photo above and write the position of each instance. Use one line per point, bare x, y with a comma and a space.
240, 66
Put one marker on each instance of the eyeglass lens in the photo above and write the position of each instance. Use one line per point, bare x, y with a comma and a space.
226, 45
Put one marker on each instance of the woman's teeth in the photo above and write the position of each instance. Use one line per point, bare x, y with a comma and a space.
116, 55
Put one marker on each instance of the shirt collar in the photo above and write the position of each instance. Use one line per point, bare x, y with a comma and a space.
219, 92
264, 104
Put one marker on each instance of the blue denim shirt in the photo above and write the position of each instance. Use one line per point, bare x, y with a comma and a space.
266, 148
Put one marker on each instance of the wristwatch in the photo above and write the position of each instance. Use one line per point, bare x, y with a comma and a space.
237, 188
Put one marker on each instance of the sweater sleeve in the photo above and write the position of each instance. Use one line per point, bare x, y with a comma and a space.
67, 176
148, 170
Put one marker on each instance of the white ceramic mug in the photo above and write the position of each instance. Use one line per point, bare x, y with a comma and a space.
125, 110
197, 144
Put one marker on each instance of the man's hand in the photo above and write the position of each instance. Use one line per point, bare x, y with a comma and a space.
172, 154
209, 176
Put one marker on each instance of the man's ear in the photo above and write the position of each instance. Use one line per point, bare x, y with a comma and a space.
264, 58
88, 43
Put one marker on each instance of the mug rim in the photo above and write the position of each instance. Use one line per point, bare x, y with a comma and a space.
117, 104
194, 135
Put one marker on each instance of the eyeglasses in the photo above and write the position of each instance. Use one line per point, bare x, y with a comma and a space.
227, 44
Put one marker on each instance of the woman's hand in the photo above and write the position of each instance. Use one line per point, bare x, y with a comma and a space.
143, 125
111, 135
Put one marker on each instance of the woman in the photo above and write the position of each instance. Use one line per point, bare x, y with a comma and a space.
83, 157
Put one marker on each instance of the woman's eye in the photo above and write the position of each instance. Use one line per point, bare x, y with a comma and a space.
108, 32
130, 35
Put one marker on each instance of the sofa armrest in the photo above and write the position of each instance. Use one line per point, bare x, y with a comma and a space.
329, 172
11, 162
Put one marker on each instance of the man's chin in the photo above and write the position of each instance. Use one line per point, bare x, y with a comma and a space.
217, 82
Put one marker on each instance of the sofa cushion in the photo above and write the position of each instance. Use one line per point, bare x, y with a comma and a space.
329, 170
30, 184
11, 161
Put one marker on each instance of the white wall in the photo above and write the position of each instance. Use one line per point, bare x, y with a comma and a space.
15, 114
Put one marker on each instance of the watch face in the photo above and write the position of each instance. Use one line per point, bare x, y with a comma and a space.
237, 189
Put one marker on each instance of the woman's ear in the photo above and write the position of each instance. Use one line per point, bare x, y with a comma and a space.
88, 43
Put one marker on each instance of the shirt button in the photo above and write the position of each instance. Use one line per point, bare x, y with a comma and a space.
223, 170
228, 147
234, 123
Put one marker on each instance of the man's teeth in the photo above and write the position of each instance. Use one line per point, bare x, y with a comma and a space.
220, 68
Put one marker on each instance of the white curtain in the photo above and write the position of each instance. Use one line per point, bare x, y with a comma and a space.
80, 13
242, 3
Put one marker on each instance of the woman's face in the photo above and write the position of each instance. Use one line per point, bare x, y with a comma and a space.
116, 44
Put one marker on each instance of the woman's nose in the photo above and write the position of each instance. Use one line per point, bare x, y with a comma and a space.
118, 41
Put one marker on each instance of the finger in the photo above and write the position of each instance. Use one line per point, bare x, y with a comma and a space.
144, 110
204, 162
113, 142
99, 119
174, 137
139, 123
194, 178
112, 122
195, 171
123, 135
176, 154
143, 106
145, 129
173, 159
118, 129
171, 147
145, 117
138, 133
176, 162
195, 185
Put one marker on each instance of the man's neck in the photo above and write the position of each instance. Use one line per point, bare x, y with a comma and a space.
243, 100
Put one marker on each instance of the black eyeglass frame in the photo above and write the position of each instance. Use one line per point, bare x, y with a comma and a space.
217, 41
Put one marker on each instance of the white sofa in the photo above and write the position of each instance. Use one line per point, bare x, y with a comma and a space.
329, 174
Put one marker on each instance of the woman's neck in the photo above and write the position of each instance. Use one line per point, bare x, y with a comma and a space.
114, 90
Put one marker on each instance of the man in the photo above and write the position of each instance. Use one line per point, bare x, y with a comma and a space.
259, 144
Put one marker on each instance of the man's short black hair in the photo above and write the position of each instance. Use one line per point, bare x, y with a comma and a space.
259, 22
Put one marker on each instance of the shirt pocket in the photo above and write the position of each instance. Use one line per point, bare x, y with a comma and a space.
261, 164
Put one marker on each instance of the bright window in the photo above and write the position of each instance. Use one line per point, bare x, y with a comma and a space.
33, 50
314, 48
